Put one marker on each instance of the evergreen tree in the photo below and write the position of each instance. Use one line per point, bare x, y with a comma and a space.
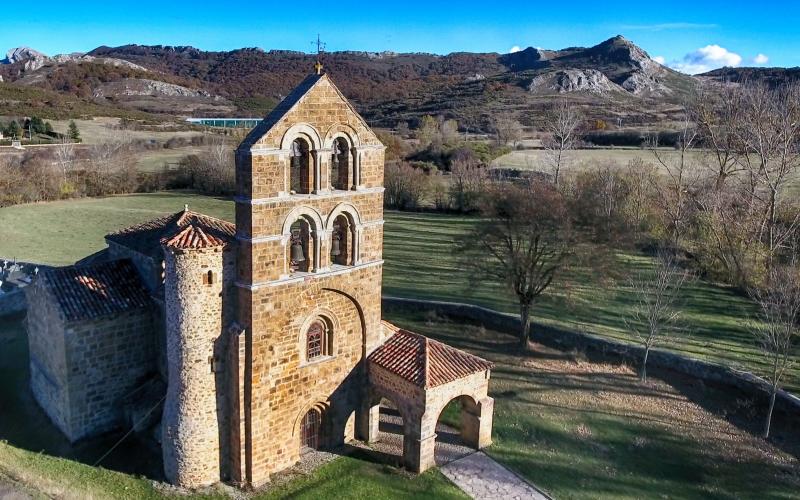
13, 130
37, 125
73, 132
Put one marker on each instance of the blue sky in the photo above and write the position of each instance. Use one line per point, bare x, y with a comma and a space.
732, 33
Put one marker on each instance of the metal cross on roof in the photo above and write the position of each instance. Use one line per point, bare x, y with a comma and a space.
320, 47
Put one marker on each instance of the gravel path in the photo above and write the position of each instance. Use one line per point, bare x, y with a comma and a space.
482, 478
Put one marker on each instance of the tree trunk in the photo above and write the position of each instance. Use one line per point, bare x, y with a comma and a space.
643, 370
524, 325
768, 422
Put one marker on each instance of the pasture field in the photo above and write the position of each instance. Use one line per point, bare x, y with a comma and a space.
592, 295
534, 159
102, 129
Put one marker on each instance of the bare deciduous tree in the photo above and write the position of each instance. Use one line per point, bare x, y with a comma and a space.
777, 328
468, 178
215, 173
404, 186
65, 156
522, 240
506, 130
656, 304
673, 188
718, 114
563, 122
770, 134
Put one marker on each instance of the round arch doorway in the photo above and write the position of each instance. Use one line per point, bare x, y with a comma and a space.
311, 431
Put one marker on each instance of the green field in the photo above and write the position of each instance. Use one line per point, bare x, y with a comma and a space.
588, 430
577, 429
63, 232
418, 248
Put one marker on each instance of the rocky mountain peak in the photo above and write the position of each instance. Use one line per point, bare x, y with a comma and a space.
32, 59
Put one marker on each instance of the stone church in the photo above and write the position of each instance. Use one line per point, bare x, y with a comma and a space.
258, 340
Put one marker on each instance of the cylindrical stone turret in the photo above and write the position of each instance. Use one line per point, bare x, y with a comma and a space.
193, 293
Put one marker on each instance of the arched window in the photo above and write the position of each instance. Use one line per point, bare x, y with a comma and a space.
300, 167
301, 247
342, 241
208, 277
317, 340
340, 164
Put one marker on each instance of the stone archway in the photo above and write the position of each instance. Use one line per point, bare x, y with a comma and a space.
423, 376
455, 436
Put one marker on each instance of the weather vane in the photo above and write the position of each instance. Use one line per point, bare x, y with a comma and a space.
320, 47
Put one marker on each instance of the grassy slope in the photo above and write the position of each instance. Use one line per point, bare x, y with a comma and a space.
586, 430
419, 263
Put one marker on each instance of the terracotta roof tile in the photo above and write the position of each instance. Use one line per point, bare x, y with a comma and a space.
147, 237
87, 292
194, 237
425, 362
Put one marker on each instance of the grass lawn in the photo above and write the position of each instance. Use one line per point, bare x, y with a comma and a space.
589, 430
592, 298
418, 247
62, 232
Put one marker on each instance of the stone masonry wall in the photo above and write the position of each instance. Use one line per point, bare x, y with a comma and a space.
191, 418
149, 269
107, 358
285, 385
275, 306
80, 370
48, 361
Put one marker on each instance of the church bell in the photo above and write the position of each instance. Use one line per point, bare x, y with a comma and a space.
335, 249
297, 251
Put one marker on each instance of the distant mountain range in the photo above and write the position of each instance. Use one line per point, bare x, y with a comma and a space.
613, 79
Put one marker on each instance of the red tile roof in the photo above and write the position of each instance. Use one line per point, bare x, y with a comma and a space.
194, 237
425, 362
87, 292
147, 237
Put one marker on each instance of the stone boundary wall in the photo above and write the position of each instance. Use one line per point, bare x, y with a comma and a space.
13, 302
745, 382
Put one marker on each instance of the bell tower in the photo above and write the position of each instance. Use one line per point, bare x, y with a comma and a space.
309, 220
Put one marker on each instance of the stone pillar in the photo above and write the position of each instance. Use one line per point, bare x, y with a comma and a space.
355, 158
419, 445
236, 361
368, 422
190, 441
476, 424
316, 187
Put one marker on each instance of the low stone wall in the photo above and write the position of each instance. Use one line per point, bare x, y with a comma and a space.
714, 373
13, 302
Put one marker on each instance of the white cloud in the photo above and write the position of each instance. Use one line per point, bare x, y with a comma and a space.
660, 59
515, 48
761, 59
705, 59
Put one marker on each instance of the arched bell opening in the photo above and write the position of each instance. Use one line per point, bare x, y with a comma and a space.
301, 167
343, 241
341, 165
301, 247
